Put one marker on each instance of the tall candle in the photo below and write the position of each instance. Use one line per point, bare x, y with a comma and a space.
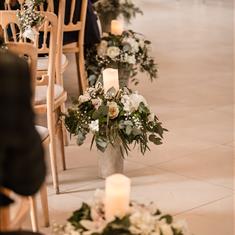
110, 79
116, 27
117, 196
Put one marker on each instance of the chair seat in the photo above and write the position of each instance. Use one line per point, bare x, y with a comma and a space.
43, 62
42, 131
41, 93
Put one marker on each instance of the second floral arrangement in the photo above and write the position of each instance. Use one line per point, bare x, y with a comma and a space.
128, 52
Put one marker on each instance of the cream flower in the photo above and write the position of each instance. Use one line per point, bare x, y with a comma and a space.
166, 229
96, 102
113, 52
132, 42
84, 98
113, 110
93, 226
102, 48
94, 126
151, 117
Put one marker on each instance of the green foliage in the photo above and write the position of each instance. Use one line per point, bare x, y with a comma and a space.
84, 213
115, 8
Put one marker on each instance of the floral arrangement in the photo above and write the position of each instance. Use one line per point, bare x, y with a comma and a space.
128, 52
142, 220
126, 8
113, 117
30, 19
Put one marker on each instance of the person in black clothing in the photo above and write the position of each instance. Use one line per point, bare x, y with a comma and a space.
92, 34
22, 165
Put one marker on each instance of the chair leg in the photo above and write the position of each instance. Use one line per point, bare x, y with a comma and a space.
52, 150
33, 214
62, 145
82, 80
44, 202
65, 136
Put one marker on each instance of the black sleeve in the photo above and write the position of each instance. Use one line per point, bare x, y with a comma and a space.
22, 166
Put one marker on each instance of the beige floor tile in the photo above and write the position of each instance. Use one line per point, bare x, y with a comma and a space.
215, 218
214, 165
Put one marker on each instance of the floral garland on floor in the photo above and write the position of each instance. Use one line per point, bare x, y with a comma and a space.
30, 19
117, 7
129, 51
142, 220
123, 116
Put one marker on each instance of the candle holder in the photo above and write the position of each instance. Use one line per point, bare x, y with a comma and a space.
118, 120
141, 219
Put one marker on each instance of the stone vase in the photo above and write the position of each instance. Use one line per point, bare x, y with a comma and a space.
111, 161
124, 74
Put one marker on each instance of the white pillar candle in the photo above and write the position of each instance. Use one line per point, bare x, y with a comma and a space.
116, 27
110, 79
117, 196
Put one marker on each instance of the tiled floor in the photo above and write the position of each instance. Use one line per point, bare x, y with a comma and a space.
191, 174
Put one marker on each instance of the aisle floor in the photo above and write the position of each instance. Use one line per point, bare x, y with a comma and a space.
191, 174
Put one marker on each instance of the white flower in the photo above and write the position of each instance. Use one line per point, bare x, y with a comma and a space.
132, 42
94, 126
93, 226
113, 110
151, 117
141, 43
30, 33
96, 102
113, 52
142, 223
84, 98
181, 225
131, 59
126, 103
166, 229
131, 102
136, 99
102, 48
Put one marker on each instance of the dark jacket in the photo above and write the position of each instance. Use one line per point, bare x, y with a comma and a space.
22, 166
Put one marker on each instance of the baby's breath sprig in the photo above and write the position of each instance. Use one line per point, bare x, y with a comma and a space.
30, 19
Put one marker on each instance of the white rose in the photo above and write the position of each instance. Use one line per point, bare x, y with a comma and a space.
136, 99
94, 126
131, 59
113, 52
84, 98
166, 229
102, 48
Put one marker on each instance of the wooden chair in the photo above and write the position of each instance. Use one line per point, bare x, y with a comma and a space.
76, 47
49, 93
6, 223
28, 203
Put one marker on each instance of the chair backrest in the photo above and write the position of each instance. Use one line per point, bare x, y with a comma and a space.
28, 52
47, 6
71, 26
